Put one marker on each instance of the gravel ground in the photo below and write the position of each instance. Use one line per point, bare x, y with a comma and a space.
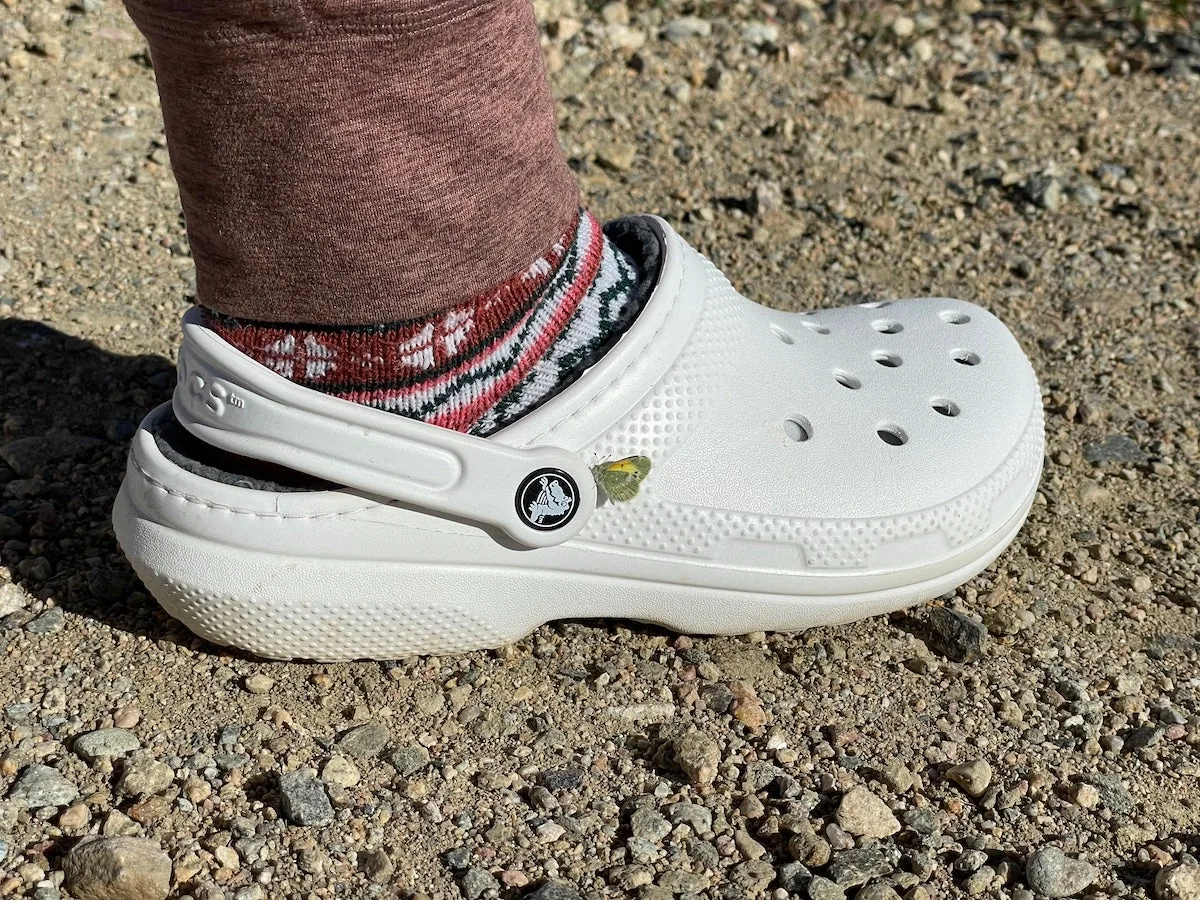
1036, 732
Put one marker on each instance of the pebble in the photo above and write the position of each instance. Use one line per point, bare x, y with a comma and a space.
40, 786
340, 771
955, 635
364, 741
617, 156
698, 756
1046, 191
409, 760
376, 865
49, 622
554, 890
850, 868
1052, 873
696, 817
559, 780
304, 799
143, 776
259, 684
648, 825
862, 813
117, 868
760, 34
973, 776
766, 198
679, 882
1178, 882
793, 877
106, 742
682, 28
74, 817
477, 882
821, 888
897, 776
1116, 448
12, 597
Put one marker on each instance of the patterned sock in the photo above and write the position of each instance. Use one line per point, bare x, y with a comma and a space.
474, 367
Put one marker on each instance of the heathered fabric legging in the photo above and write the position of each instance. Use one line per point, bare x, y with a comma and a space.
347, 162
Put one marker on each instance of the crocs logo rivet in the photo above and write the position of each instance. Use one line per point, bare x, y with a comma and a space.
547, 499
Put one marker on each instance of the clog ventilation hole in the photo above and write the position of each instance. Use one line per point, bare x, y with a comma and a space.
799, 429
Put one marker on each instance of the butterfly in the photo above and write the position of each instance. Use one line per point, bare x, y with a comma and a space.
621, 478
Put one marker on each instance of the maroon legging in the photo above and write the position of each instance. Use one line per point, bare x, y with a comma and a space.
348, 162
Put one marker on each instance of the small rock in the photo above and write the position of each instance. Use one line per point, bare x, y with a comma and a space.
648, 825
623, 37
340, 772
304, 800
74, 817
409, 760
259, 684
696, 817
49, 622
1052, 873
973, 776
1050, 52
615, 13
618, 157
748, 846
540, 798
560, 779
12, 597
793, 877
106, 742
554, 890
954, 635
685, 27
477, 882
1178, 882
905, 96
850, 868
903, 26
1085, 795
760, 34
767, 198
629, 878
862, 813
1114, 448
117, 868
752, 877
698, 756
144, 775
376, 865
365, 741
1046, 191
897, 776
949, 103
41, 786
823, 889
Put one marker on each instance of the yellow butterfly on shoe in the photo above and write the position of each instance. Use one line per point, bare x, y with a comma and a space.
620, 479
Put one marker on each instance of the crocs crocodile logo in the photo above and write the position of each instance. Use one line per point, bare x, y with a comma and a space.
547, 499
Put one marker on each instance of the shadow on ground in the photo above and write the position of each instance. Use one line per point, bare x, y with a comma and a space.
69, 409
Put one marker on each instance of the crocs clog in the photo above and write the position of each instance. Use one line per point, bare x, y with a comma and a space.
804, 469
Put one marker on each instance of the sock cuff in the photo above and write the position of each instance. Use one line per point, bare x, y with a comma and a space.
363, 357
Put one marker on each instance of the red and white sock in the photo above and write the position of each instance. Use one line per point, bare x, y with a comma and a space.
476, 366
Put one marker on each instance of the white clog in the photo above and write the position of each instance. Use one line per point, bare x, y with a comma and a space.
806, 469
